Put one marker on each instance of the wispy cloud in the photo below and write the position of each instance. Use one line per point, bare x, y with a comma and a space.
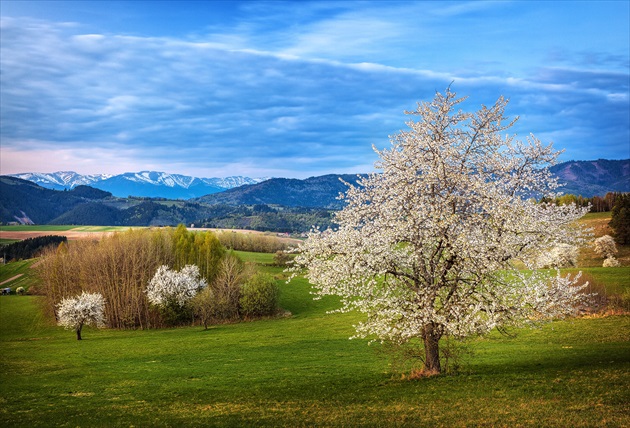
294, 91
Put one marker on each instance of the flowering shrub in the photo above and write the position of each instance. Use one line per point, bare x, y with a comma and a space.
610, 262
74, 312
560, 256
20, 291
605, 246
174, 287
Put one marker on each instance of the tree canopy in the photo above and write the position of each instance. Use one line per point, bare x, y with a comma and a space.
428, 246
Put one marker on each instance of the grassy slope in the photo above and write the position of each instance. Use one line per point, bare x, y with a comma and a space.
22, 267
303, 371
598, 222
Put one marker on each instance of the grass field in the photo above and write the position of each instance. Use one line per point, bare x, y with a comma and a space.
27, 276
37, 227
303, 371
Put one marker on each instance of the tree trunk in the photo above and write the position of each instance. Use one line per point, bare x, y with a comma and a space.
431, 351
79, 332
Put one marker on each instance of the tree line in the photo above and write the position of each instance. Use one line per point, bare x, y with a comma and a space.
30, 247
121, 266
598, 203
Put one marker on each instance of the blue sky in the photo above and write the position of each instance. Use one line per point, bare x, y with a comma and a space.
296, 89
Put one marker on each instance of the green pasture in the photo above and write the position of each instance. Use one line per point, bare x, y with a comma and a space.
27, 277
303, 371
36, 228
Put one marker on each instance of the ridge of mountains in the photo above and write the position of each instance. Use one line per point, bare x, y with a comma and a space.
593, 178
144, 183
586, 178
277, 204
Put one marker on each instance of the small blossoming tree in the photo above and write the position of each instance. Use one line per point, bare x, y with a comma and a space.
430, 247
606, 248
560, 256
172, 290
75, 312
610, 262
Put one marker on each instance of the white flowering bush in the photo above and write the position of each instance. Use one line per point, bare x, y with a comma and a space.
75, 312
168, 286
560, 256
430, 247
610, 262
605, 246
172, 291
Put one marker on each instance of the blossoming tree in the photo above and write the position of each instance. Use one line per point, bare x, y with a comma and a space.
74, 312
168, 287
427, 247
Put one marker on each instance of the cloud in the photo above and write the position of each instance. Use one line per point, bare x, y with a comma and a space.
295, 100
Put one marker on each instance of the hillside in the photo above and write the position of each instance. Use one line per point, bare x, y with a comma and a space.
590, 178
586, 178
314, 192
27, 202
278, 204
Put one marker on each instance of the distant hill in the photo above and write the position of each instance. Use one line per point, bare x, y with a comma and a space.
591, 178
145, 183
314, 192
24, 201
277, 204
586, 178
27, 202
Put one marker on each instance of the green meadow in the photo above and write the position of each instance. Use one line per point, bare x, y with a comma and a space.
302, 370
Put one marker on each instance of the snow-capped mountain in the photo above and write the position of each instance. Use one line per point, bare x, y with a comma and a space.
62, 179
143, 183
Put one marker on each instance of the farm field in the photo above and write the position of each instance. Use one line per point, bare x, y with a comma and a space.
303, 371
12, 233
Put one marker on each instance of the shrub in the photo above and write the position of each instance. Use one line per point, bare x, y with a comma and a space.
611, 262
259, 296
281, 258
171, 291
20, 291
561, 256
605, 246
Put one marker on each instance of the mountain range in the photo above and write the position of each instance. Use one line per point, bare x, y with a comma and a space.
145, 183
586, 178
278, 204
591, 178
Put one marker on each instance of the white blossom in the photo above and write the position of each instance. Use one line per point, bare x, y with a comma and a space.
605, 246
560, 256
430, 245
75, 312
610, 262
172, 286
